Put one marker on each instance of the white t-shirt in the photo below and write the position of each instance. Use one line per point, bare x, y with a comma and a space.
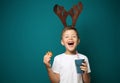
65, 66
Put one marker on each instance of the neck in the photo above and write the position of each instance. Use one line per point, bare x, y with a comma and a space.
70, 52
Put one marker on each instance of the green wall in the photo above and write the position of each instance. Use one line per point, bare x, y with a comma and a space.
29, 28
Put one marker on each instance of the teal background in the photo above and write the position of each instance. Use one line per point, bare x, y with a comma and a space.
29, 28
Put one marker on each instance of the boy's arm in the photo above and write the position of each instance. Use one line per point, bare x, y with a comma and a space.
85, 75
54, 77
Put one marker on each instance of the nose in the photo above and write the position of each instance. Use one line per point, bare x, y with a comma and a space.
71, 38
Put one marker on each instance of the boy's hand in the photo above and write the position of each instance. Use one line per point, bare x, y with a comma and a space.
84, 67
47, 58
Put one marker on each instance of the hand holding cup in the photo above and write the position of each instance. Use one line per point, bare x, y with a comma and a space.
83, 67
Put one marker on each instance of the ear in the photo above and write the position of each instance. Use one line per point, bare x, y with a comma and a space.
78, 41
62, 43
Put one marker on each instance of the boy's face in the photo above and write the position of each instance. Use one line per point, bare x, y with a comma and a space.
70, 40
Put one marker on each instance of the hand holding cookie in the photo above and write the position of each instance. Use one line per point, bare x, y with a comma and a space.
47, 59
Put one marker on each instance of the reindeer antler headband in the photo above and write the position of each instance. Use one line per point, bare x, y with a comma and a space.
73, 12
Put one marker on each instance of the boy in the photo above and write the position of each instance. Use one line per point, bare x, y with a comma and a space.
63, 69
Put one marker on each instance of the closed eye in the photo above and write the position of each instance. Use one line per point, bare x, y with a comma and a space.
74, 36
66, 36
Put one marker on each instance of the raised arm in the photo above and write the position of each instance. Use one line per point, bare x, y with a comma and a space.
54, 77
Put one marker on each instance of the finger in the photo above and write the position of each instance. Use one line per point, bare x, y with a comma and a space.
47, 60
84, 64
83, 68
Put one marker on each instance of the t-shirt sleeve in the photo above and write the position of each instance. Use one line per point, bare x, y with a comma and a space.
88, 65
55, 66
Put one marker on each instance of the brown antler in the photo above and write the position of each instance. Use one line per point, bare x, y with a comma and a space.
74, 12
61, 13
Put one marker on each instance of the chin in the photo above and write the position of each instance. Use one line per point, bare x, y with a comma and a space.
71, 50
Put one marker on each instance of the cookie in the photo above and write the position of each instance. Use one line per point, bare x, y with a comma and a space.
49, 53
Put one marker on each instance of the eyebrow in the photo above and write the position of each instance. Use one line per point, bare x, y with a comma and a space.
71, 34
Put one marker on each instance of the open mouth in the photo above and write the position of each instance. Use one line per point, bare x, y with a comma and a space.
71, 43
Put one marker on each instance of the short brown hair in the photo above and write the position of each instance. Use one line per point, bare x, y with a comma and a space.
69, 28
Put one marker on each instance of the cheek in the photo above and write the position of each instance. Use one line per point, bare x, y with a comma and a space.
64, 39
76, 40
